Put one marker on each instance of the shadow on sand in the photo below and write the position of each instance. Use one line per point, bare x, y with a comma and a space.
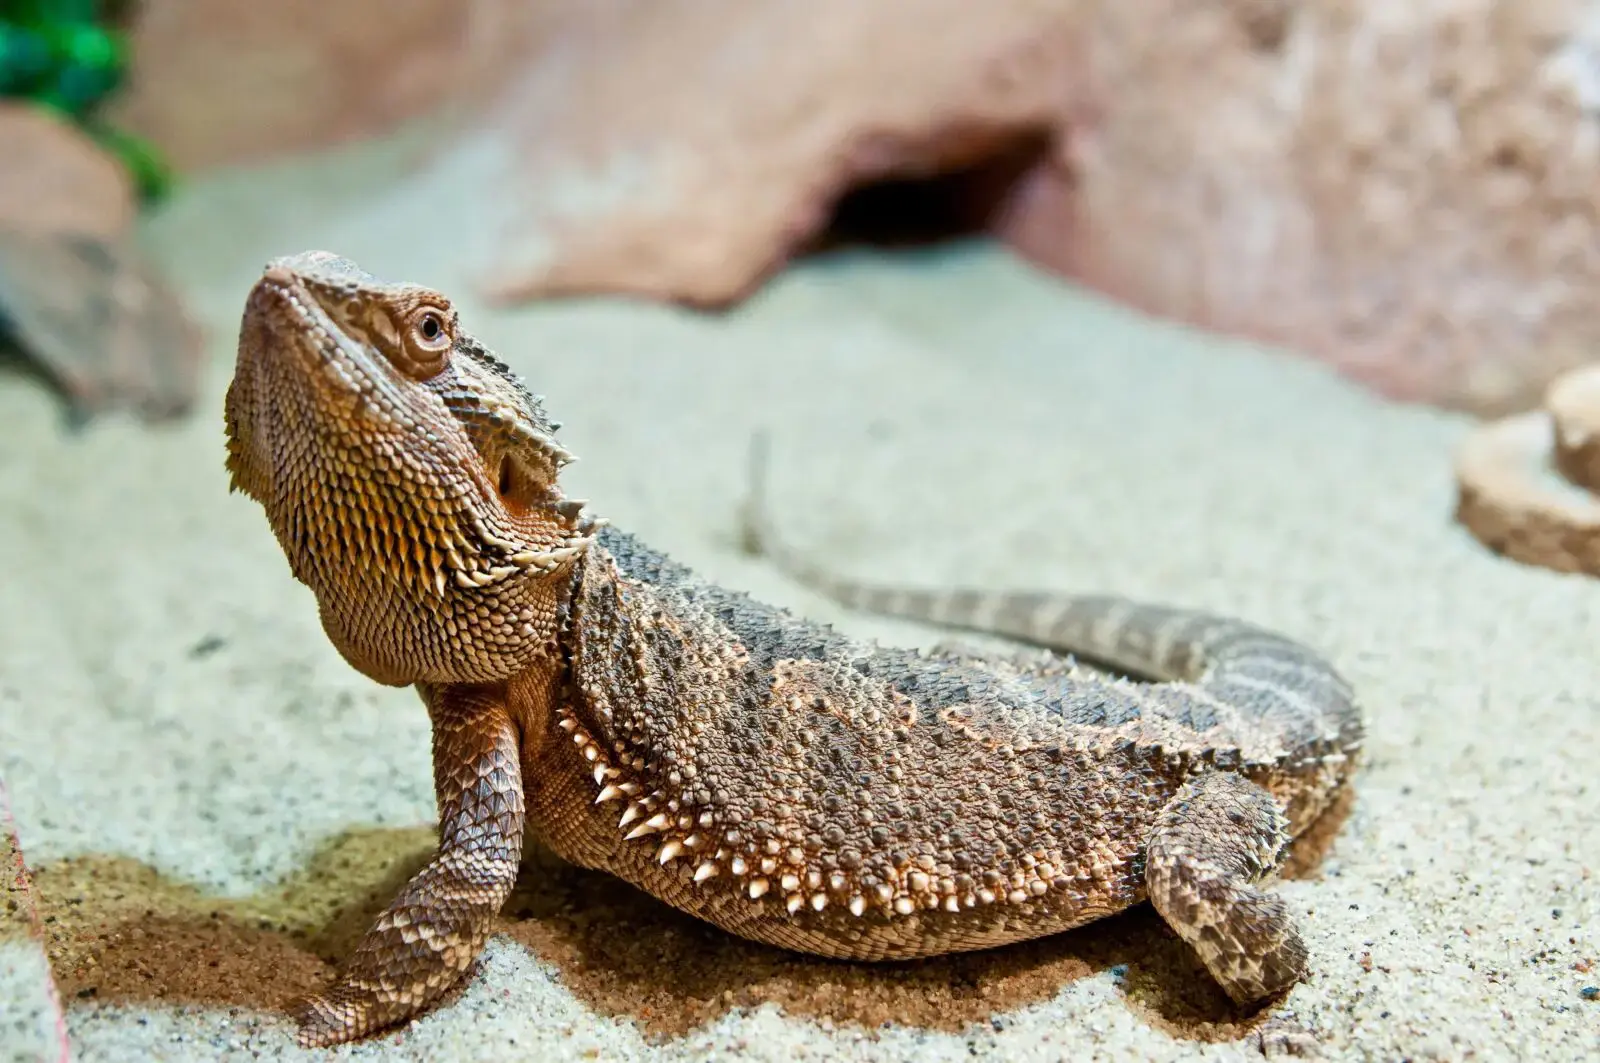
120, 932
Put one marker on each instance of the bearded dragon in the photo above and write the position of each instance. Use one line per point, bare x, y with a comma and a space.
769, 775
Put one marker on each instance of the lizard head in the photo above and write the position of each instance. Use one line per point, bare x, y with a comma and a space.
410, 478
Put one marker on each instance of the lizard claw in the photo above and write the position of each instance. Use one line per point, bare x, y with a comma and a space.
320, 1022
346, 1012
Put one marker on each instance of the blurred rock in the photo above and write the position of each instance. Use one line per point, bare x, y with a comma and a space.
229, 81
76, 296
55, 179
1408, 192
723, 131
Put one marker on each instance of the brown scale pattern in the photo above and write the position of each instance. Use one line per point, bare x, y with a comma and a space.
367, 483
799, 788
758, 771
434, 930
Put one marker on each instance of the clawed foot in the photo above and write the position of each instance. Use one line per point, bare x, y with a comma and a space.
321, 1021
1219, 837
428, 937
353, 1008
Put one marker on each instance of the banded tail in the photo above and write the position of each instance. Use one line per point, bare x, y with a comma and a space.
1262, 673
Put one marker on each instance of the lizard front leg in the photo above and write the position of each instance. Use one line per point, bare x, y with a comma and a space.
429, 935
1214, 841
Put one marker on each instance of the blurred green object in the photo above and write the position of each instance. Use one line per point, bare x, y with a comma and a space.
90, 65
150, 175
24, 58
49, 10
64, 55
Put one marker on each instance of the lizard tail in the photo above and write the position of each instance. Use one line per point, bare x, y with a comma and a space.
1246, 664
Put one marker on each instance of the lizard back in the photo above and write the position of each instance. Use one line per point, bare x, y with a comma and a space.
795, 785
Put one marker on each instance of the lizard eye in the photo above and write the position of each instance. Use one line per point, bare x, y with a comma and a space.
429, 331
425, 346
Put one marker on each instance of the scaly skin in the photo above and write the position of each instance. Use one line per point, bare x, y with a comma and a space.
763, 773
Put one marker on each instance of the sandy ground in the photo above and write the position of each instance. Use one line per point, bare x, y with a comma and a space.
214, 804
32, 1025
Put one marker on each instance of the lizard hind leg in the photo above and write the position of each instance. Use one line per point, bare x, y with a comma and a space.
1212, 845
430, 934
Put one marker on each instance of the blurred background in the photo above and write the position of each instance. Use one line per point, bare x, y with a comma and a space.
1405, 191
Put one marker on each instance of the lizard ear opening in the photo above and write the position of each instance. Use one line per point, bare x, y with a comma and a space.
519, 488
508, 476
515, 487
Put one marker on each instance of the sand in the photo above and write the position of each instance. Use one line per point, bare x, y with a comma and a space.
32, 1026
214, 805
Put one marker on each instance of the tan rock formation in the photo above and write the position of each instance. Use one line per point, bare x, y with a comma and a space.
1410, 192
230, 81
55, 179
728, 129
